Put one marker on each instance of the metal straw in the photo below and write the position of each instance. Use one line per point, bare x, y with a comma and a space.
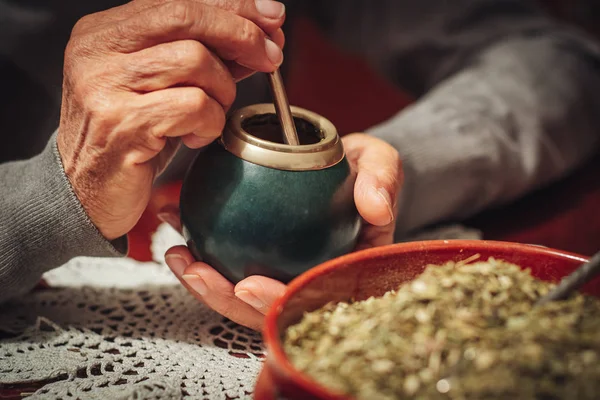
282, 107
582, 275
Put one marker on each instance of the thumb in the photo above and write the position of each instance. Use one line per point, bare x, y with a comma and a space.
379, 176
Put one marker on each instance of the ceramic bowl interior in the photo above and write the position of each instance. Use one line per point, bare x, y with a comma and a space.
376, 271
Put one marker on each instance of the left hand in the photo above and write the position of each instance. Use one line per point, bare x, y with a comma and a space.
378, 182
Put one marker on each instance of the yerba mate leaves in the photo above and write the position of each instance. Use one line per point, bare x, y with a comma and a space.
465, 330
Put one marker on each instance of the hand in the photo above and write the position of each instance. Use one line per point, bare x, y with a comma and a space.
143, 77
379, 178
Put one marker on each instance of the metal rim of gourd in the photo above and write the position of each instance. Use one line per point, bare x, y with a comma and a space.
326, 153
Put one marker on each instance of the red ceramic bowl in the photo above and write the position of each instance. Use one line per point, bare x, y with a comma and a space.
372, 273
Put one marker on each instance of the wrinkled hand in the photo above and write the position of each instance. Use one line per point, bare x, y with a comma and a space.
143, 77
378, 181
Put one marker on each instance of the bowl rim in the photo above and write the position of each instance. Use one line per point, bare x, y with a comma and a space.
276, 357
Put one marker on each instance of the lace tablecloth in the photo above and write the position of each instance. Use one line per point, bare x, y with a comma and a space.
120, 329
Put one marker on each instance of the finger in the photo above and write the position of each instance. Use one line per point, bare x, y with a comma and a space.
183, 63
152, 118
267, 14
178, 258
375, 236
278, 37
379, 177
176, 112
220, 296
170, 215
240, 72
166, 155
211, 288
259, 292
180, 63
196, 141
230, 36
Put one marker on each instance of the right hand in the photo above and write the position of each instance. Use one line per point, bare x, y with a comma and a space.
142, 77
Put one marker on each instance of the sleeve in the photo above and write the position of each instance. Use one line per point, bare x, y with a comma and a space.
511, 102
522, 116
42, 223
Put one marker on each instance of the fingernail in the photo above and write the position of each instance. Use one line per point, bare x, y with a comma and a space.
196, 283
385, 196
274, 53
270, 8
177, 263
249, 298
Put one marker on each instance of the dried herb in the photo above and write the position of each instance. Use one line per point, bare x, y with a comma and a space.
458, 331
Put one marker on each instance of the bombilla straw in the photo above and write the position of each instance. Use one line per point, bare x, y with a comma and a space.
582, 275
282, 107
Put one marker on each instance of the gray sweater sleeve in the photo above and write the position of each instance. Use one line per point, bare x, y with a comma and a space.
523, 114
507, 98
42, 223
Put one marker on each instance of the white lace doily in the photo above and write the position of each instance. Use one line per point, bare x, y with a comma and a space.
120, 329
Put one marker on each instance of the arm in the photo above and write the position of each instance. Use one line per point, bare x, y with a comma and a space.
522, 116
42, 223
512, 105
